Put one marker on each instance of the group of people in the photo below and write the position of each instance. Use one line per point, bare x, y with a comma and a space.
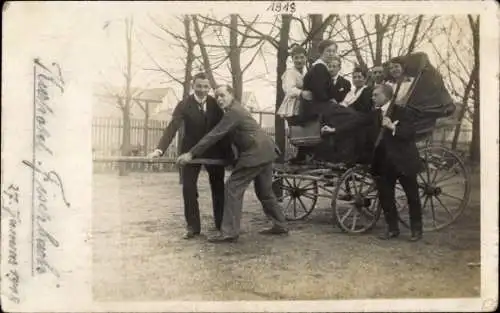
358, 115
221, 128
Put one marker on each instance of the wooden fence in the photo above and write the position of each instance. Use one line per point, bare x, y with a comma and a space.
107, 137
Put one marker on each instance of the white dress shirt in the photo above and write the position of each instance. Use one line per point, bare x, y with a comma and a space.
203, 102
352, 96
384, 109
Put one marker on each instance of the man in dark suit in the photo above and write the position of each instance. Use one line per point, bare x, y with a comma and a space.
200, 113
341, 86
256, 153
396, 157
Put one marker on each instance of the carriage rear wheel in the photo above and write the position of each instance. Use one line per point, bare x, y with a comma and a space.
298, 196
444, 189
355, 202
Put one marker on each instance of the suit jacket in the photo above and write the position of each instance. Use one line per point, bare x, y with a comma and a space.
254, 146
196, 124
364, 102
398, 150
341, 88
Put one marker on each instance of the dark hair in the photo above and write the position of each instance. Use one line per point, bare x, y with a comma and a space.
325, 44
200, 76
361, 71
386, 90
296, 50
227, 87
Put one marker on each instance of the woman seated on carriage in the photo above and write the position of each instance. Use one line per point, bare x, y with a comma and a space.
318, 90
292, 83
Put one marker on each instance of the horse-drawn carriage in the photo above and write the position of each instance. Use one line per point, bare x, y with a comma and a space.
444, 185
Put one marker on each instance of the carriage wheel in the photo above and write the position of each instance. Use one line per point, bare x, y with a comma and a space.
444, 189
298, 196
355, 202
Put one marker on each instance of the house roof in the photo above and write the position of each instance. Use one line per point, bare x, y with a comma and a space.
105, 104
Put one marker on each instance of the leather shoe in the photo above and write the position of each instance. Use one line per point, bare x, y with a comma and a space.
389, 235
415, 236
190, 234
275, 230
222, 239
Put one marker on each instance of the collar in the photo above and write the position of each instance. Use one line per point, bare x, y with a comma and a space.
360, 89
385, 107
300, 72
229, 107
336, 77
201, 101
320, 61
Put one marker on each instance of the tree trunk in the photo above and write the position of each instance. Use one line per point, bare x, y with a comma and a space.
475, 147
234, 58
316, 24
379, 39
204, 53
188, 77
145, 136
354, 43
126, 105
413, 42
279, 123
463, 109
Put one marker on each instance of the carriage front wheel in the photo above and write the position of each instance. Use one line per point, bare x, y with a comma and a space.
444, 189
297, 196
355, 202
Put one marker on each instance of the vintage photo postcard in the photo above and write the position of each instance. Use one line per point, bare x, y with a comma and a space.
244, 156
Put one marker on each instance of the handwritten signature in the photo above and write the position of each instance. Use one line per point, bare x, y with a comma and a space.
48, 189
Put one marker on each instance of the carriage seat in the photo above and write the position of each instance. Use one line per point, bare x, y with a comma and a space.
305, 135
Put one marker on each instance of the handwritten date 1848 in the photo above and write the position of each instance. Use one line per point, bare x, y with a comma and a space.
282, 7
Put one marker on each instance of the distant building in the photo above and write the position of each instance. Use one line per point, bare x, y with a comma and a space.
162, 102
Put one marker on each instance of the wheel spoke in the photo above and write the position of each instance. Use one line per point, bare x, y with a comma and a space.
444, 206
303, 205
288, 204
433, 212
309, 196
445, 179
354, 221
295, 207
427, 165
425, 202
311, 182
448, 195
422, 178
345, 216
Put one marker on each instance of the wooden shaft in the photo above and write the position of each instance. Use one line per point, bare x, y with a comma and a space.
141, 159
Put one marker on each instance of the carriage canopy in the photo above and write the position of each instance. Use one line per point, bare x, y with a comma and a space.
429, 99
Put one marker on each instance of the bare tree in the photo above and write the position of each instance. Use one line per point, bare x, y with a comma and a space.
475, 149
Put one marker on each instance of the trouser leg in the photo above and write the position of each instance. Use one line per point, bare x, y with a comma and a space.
236, 186
385, 185
216, 178
190, 175
266, 196
410, 187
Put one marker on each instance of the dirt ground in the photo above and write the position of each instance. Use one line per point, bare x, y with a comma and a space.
138, 253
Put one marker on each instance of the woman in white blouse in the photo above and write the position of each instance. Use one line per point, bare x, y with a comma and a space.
292, 82
398, 75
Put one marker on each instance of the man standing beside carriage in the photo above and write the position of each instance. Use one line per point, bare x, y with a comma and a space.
198, 113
